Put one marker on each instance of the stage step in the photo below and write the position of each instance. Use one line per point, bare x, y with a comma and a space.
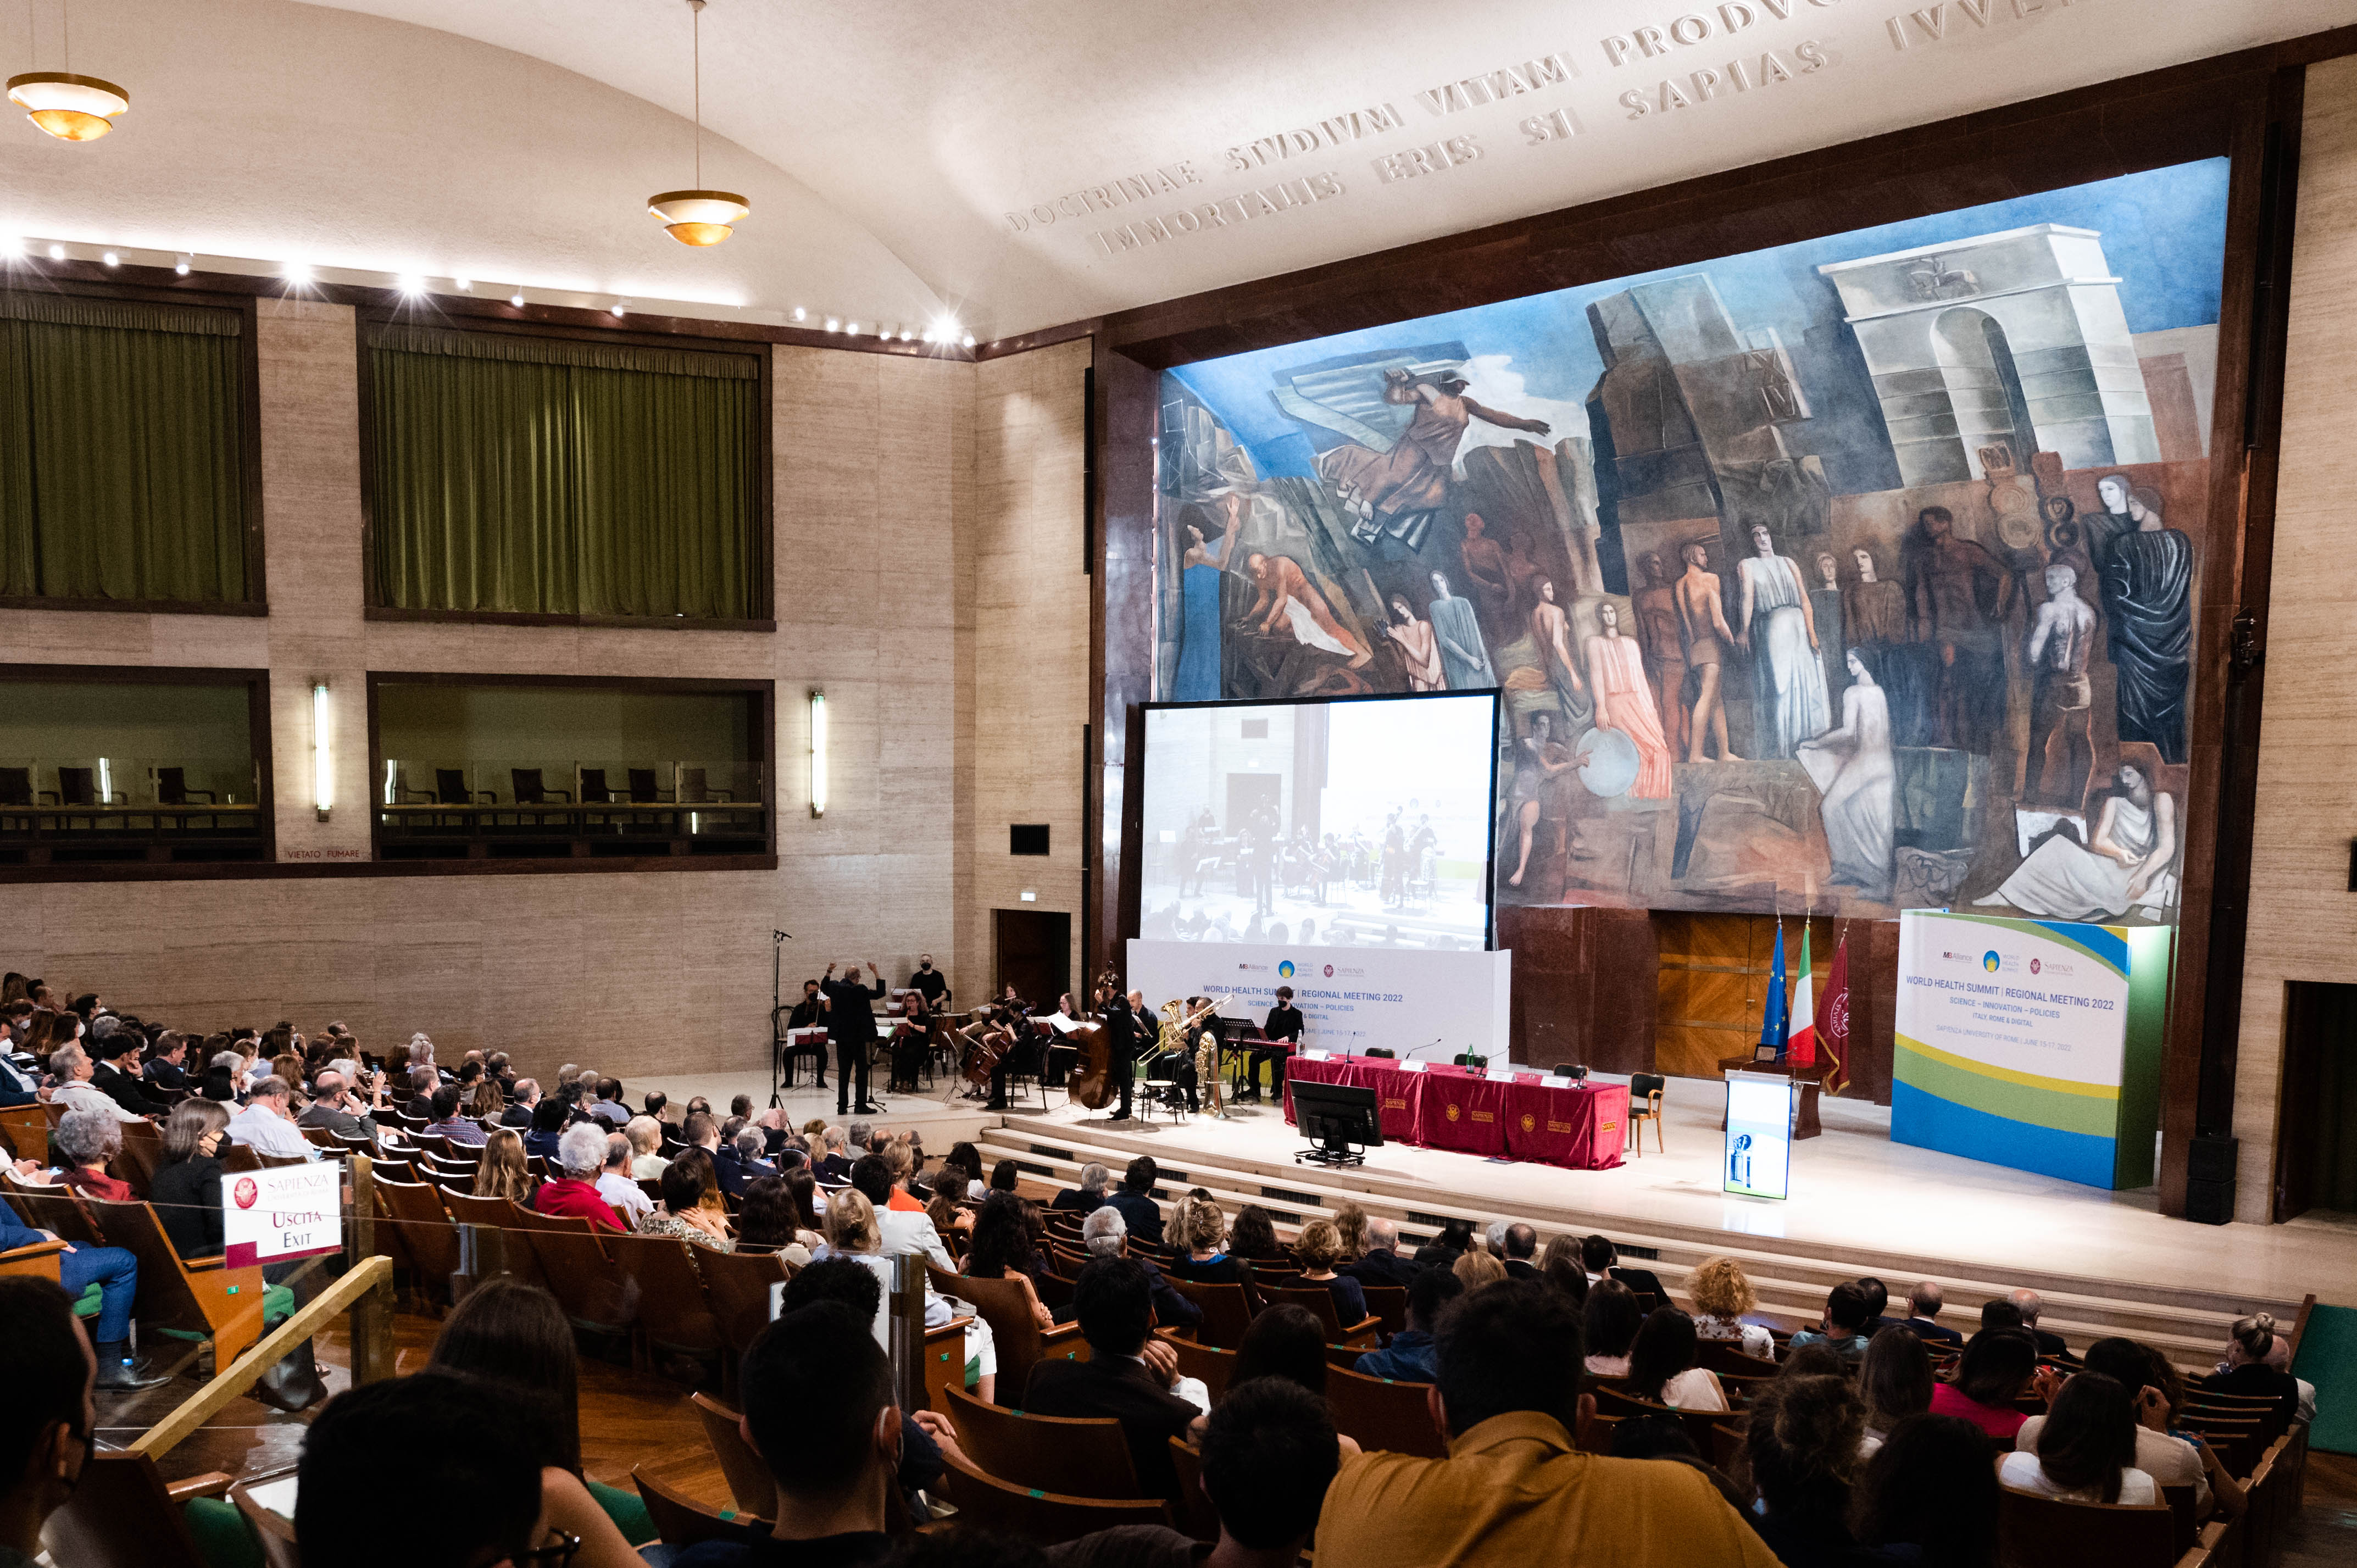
2188, 1324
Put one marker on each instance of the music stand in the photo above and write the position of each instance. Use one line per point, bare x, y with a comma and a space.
1338, 1115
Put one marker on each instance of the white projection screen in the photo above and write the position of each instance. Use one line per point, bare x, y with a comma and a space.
1361, 822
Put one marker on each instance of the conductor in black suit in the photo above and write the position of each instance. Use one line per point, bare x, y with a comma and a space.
851, 1024
1129, 1377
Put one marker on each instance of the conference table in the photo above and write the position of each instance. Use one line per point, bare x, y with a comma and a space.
1530, 1116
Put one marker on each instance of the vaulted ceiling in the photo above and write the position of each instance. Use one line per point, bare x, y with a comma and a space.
1018, 162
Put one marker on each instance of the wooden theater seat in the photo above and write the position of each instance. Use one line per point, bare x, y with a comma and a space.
749, 1481
1047, 1518
1382, 1415
1078, 1457
202, 1298
122, 1515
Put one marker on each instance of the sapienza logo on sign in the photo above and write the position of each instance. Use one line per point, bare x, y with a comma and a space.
286, 1212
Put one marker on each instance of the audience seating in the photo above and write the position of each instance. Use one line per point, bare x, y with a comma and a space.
1320, 1301
272, 1529
26, 1130
201, 1299
1079, 1457
739, 1285
1020, 1341
1212, 1365
1196, 1518
749, 1481
1047, 1518
1389, 1304
1226, 1315
1382, 1415
39, 1261
672, 1312
682, 1522
122, 1515
2047, 1532
1698, 1423
414, 1211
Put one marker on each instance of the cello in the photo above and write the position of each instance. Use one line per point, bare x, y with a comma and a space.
1092, 1086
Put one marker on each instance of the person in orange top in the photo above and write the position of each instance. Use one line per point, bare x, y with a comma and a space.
903, 1161
1513, 1491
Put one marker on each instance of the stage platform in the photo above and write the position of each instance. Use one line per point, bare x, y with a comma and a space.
2106, 1261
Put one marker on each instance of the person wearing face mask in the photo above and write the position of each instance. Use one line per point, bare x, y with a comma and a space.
187, 1188
930, 981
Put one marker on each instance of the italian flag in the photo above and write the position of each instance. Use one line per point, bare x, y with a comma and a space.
1801, 1043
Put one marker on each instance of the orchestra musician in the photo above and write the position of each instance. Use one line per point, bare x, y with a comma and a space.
1176, 1055
1284, 1023
911, 1037
932, 982
809, 1012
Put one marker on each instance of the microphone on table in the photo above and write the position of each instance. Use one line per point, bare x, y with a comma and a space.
1425, 1046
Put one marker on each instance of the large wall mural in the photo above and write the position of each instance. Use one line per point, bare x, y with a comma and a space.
1852, 576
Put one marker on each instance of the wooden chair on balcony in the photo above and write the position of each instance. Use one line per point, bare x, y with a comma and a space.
17, 788
172, 789
643, 791
450, 789
693, 791
530, 789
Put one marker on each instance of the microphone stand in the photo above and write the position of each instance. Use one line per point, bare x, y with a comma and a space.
778, 940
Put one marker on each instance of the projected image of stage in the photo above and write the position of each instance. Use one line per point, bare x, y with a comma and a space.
1357, 823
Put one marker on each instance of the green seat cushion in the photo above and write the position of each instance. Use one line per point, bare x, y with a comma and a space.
277, 1305
223, 1538
89, 1305
627, 1509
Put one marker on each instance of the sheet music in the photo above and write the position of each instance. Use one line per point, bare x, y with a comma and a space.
1057, 1021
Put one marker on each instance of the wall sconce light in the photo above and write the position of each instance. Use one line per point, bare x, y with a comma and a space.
818, 751
323, 750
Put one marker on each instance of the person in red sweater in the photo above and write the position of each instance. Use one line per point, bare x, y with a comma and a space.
582, 1154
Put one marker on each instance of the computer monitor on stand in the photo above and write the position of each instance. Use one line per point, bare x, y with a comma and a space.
1344, 1121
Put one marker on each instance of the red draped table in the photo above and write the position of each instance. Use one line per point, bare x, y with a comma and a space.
1533, 1116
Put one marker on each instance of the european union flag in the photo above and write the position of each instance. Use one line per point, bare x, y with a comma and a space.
1772, 1019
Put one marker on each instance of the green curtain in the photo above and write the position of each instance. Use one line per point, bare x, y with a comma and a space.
121, 475
563, 478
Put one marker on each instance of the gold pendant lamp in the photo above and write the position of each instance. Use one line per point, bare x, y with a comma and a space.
698, 217
70, 108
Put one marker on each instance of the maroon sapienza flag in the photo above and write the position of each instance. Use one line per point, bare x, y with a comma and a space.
1833, 1018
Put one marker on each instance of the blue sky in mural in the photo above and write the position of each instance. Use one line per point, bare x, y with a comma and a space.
2163, 231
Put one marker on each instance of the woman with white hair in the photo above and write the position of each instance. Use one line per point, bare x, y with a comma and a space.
84, 1144
573, 1195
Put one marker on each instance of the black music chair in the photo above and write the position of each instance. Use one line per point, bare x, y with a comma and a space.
530, 790
642, 786
451, 788
692, 790
79, 786
17, 788
593, 787
172, 789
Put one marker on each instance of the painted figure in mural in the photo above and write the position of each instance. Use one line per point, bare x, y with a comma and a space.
1462, 652
1485, 570
1200, 570
1701, 627
2101, 528
1874, 616
2061, 761
2066, 544
1539, 761
1551, 629
1825, 610
1419, 648
1857, 780
1655, 610
1957, 595
1615, 673
1774, 626
2149, 612
2126, 865
1287, 595
1393, 495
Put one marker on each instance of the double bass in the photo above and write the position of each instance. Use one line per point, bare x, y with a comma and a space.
1091, 1084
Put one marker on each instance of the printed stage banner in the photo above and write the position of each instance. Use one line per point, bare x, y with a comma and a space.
1439, 1005
2034, 1044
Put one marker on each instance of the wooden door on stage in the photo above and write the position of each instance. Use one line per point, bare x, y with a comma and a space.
1033, 952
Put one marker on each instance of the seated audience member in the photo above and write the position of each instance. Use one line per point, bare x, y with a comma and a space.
2256, 1367
2086, 1450
1477, 1269
423, 1081
1411, 1357
2169, 1460
187, 1190
941, 1205
1802, 1440
167, 1058
504, 1171
114, 1072
573, 1194
1895, 1380
1514, 1490
486, 1104
1284, 1341
901, 1157
116, 1273
1379, 1262
514, 1338
70, 1067
616, 1186
1135, 1199
1269, 1451
1130, 1376
1927, 1495
48, 1419
1521, 1248
81, 1143
1106, 1235
819, 1411
738, 1162
1450, 1242
1603, 1259
448, 1123
850, 1228
1999, 1314
1923, 1304
903, 1233
1197, 1229
609, 1108
836, 1167
1842, 1332
1877, 1301
522, 1104
2217, 1490
1561, 1268
645, 1135
1997, 1367
1003, 1175
462, 1443
1001, 1250
701, 1132
548, 1118
1662, 1364
2029, 1304
1611, 1319
335, 1106
1724, 1299
692, 1208
1252, 1235
658, 1105
772, 1223
1320, 1248
224, 1078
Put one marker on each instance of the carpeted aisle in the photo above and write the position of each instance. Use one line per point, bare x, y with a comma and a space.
2327, 1358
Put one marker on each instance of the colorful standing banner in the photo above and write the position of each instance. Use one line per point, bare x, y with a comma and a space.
2034, 1044
1771, 1014
1835, 1031
285, 1211
1800, 1042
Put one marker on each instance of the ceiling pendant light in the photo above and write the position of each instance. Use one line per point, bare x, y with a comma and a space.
70, 108
698, 217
